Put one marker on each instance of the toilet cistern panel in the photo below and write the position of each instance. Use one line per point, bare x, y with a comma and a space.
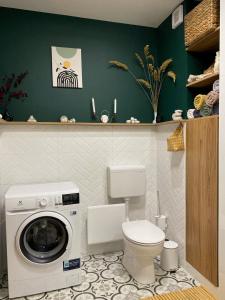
126, 181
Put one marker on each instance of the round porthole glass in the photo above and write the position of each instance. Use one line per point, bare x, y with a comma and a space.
44, 240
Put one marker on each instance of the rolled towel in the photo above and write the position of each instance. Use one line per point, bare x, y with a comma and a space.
199, 101
212, 98
196, 113
216, 86
190, 113
206, 110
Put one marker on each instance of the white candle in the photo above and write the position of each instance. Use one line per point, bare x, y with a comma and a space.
115, 106
93, 106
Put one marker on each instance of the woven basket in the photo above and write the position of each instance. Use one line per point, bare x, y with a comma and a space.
176, 141
202, 20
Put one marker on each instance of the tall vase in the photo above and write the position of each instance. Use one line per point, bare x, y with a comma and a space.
155, 116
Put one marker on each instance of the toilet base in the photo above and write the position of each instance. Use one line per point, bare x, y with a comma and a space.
138, 260
142, 270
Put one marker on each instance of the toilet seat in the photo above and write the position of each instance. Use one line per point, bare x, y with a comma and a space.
143, 232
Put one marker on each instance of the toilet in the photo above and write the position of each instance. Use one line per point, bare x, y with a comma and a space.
143, 240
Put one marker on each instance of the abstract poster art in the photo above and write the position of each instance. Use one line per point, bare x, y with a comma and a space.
66, 67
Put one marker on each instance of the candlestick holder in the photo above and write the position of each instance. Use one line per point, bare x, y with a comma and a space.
105, 116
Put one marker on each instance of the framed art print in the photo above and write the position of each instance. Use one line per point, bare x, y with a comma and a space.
66, 67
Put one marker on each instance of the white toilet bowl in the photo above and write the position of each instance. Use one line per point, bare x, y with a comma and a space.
142, 242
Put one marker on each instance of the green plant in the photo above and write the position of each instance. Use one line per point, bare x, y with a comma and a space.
154, 76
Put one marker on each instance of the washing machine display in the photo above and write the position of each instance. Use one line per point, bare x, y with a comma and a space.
69, 199
44, 240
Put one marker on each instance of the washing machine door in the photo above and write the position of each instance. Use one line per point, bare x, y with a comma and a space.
44, 238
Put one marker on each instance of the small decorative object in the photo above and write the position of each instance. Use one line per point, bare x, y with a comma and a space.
63, 119
115, 106
154, 76
31, 119
199, 101
176, 141
73, 120
9, 91
217, 62
1, 119
177, 17
105, 116
212, 98
190, 113
177, 115
66, 67
93, 107
216, 86
133, 120
104, 119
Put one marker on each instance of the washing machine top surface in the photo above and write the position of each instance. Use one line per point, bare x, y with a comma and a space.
143, 232
41, 189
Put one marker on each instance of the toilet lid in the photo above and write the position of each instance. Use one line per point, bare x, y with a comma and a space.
143, 232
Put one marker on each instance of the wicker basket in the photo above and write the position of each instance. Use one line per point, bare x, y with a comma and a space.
202, 20
176, 141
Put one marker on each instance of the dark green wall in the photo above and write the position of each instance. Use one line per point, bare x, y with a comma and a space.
171, 45
26, 40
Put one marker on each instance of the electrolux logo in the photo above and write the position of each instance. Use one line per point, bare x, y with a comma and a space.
20, 203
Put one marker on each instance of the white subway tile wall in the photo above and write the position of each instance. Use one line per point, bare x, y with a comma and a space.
171, 184
32, 154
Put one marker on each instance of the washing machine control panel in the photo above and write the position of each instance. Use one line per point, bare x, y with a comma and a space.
59, 200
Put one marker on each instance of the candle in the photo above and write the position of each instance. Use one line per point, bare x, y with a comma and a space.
93, 106
115, 106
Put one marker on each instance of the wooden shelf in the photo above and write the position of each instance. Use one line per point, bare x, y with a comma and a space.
75, 124
171, 122
88, 124
205, 82
208, 43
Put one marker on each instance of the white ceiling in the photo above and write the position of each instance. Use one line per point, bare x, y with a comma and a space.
149, 13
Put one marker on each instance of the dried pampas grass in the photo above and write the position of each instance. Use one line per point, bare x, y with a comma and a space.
154, 76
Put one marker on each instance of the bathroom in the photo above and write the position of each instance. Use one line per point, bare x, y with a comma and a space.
52, 151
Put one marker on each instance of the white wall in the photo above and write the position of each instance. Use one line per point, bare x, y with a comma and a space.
171, 186
32, 154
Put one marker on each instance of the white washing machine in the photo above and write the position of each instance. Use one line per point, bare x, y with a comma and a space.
43, 237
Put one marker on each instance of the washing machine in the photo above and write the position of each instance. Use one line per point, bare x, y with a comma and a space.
43, 237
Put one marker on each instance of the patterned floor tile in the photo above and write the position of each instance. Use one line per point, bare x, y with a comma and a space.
104, 278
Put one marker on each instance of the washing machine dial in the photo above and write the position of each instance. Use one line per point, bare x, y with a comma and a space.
43, 202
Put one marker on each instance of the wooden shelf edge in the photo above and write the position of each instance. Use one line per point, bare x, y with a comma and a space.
171, 122
75, 124
208, 42
203, 82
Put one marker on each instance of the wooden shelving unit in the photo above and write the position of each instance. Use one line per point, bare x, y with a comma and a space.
208, 43
205, 82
